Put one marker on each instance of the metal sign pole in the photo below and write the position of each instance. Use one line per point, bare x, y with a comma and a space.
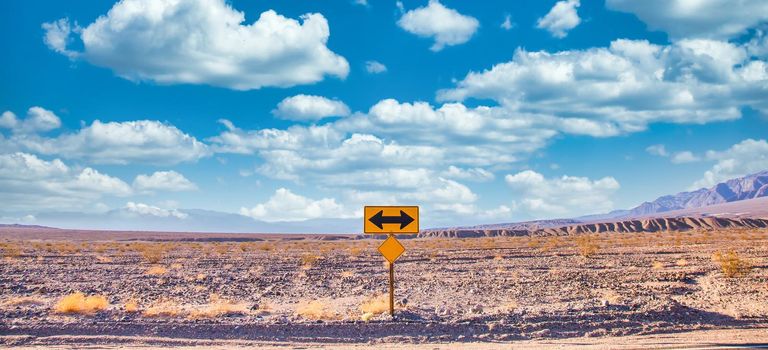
391, 287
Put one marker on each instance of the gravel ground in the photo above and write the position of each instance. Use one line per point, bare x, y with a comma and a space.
456, 291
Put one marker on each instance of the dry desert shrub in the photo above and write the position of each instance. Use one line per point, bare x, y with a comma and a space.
221, 248
657, 265
79, 303
131, 306
22, 301
151, 252
104, 259
732, 264
10, 250
164, 308
307, 260
375, 305
156, 270
550, 244
586, 245
177, 266
315, 310
681, 262
218, 307
347, 274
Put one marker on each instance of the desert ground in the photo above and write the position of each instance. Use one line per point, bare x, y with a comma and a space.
113, 290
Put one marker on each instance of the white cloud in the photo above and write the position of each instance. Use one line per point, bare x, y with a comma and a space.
310, 107
719, 19
57, 36
473, 174
746, 157
28, 182
625, 87
284, 205
142, 141
507, 24
149, 210
375, 67
204, 42
566, 196
684, 157
38, 120
163, 181
657, 150
447, 26
561, 18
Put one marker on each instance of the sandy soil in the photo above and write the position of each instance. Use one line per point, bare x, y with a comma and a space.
470, 292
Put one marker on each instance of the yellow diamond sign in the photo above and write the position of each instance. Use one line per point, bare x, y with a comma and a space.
391, 249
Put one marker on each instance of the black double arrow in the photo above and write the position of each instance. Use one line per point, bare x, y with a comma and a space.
379, 219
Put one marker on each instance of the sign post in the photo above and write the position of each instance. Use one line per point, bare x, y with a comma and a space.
391, 220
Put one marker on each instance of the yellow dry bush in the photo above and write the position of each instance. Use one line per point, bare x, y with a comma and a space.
131, 306
152, 252
681, 262
308, 260
10, 250
731, 264
165, 308
156, 270
218, 307
375, 305
586, 245
78, 303
315, 310
657, 265
22, 301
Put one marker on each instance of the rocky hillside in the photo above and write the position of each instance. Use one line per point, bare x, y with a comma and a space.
644, 225
747, 187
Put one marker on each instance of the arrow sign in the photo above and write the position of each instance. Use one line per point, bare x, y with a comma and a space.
379, 219
391, 219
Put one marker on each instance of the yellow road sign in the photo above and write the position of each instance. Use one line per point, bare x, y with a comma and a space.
391, 249
391, 219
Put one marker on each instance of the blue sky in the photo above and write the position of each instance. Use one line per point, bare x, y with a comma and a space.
478, 111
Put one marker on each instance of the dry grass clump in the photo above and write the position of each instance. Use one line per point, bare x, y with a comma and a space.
374, 305
681, 262
732, 264
315, 310
657, 265
79, 303
156, 270
164, 308
307, 260
22, 301
218, 307
10, 250
152, 252
587, 246
131, 306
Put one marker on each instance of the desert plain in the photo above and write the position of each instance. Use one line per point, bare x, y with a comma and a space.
63, 288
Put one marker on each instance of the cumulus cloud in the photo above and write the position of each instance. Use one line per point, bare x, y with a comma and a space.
624, 87
566, 196
684, 157
717, 19
446, 26
375, 67
163, 181
746, 157
141, 141
657, 150
310, 107
473, 174
284, 205
561, 18
507, 23
142, 209
203, 42
38, 119
28, 182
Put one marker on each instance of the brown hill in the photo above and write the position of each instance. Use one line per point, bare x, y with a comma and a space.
627, 226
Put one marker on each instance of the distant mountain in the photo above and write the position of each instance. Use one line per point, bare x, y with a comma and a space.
747, 187
187, 220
